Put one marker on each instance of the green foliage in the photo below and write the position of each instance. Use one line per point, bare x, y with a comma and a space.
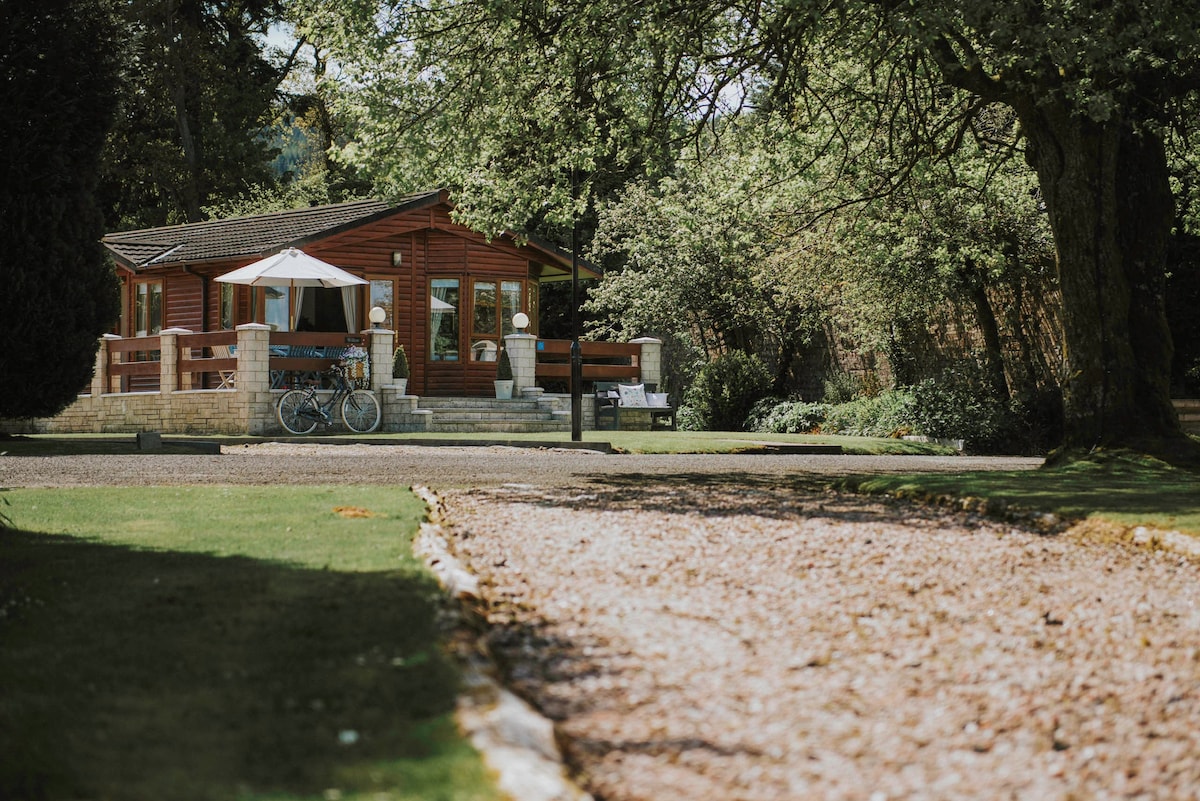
887, 414
58, 70
691, 265
726, 389
198, 97
841, 388
880, 184
961, 403
399, 363
503, 366
772, 416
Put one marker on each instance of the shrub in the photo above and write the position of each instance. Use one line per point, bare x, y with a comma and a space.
726, 388
503, 366
888, 414
686, 419
961, 404
399, 363
841, 388
773, 416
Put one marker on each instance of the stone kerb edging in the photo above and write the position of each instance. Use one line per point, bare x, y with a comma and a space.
516, 742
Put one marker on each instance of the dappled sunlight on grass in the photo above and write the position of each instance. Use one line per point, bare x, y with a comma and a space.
1129, 491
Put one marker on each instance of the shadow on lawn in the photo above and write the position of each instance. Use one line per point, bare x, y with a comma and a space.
1167, 496
138, 674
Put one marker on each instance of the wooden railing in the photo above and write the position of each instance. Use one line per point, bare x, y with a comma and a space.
138, 362
602, 361
196, 356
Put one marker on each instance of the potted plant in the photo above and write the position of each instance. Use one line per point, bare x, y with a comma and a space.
504, 376
400, 369
357, 366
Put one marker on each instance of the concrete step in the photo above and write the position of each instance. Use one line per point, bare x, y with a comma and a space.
488, 414
477, 403
499, 426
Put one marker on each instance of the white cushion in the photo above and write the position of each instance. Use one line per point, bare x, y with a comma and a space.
657, 399
633, 396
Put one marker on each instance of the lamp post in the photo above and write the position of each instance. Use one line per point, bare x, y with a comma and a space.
376, 315
576, 351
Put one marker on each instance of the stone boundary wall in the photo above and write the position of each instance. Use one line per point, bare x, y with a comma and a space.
249, 408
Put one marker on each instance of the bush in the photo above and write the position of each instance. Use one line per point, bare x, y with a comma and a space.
842, 388
503, 366
888, 414
772, 416
961, 404
725, 389
399, 363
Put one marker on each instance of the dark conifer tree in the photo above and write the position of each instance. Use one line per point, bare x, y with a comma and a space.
58, 292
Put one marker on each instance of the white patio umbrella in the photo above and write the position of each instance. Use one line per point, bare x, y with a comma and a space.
291, 268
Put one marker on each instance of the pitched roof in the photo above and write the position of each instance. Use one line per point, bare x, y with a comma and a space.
256, 235
260, 235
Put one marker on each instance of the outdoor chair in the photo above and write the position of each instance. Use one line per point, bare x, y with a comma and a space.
227, 378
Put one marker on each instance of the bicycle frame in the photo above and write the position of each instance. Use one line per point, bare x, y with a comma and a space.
341, 388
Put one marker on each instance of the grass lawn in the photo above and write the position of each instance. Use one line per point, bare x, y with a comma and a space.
224, 643
1128, 490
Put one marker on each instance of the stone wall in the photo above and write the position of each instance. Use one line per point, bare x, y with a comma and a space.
249, 407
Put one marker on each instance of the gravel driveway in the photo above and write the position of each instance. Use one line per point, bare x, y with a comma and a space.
715, 628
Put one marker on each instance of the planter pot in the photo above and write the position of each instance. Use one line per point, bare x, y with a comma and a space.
503, 390
400, 384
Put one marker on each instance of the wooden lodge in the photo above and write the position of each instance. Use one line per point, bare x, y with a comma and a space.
448, 292
195, 355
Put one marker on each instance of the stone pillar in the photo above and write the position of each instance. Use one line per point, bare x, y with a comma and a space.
168, 366
100, 383
522, 354
650, 363
379, 348
255, 404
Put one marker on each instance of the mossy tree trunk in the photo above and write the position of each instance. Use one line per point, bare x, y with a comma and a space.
1110, 207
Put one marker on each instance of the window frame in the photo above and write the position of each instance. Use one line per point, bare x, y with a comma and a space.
485, 343
144, 308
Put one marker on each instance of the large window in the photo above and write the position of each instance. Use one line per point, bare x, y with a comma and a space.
148, 308
443, 319
493, 306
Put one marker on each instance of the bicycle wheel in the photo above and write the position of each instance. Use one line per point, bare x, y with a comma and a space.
361, 411
291, 412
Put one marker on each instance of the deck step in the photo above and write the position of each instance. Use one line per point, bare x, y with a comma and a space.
490, 415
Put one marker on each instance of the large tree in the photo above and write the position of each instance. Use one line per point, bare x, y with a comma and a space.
1094, 83
58, 86
192, 124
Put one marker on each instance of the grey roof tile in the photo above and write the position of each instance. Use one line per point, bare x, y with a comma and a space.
256, 235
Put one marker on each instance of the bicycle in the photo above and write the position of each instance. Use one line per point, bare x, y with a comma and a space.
300, 411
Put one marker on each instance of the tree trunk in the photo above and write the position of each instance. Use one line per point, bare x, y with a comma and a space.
1110, 208
973, 281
